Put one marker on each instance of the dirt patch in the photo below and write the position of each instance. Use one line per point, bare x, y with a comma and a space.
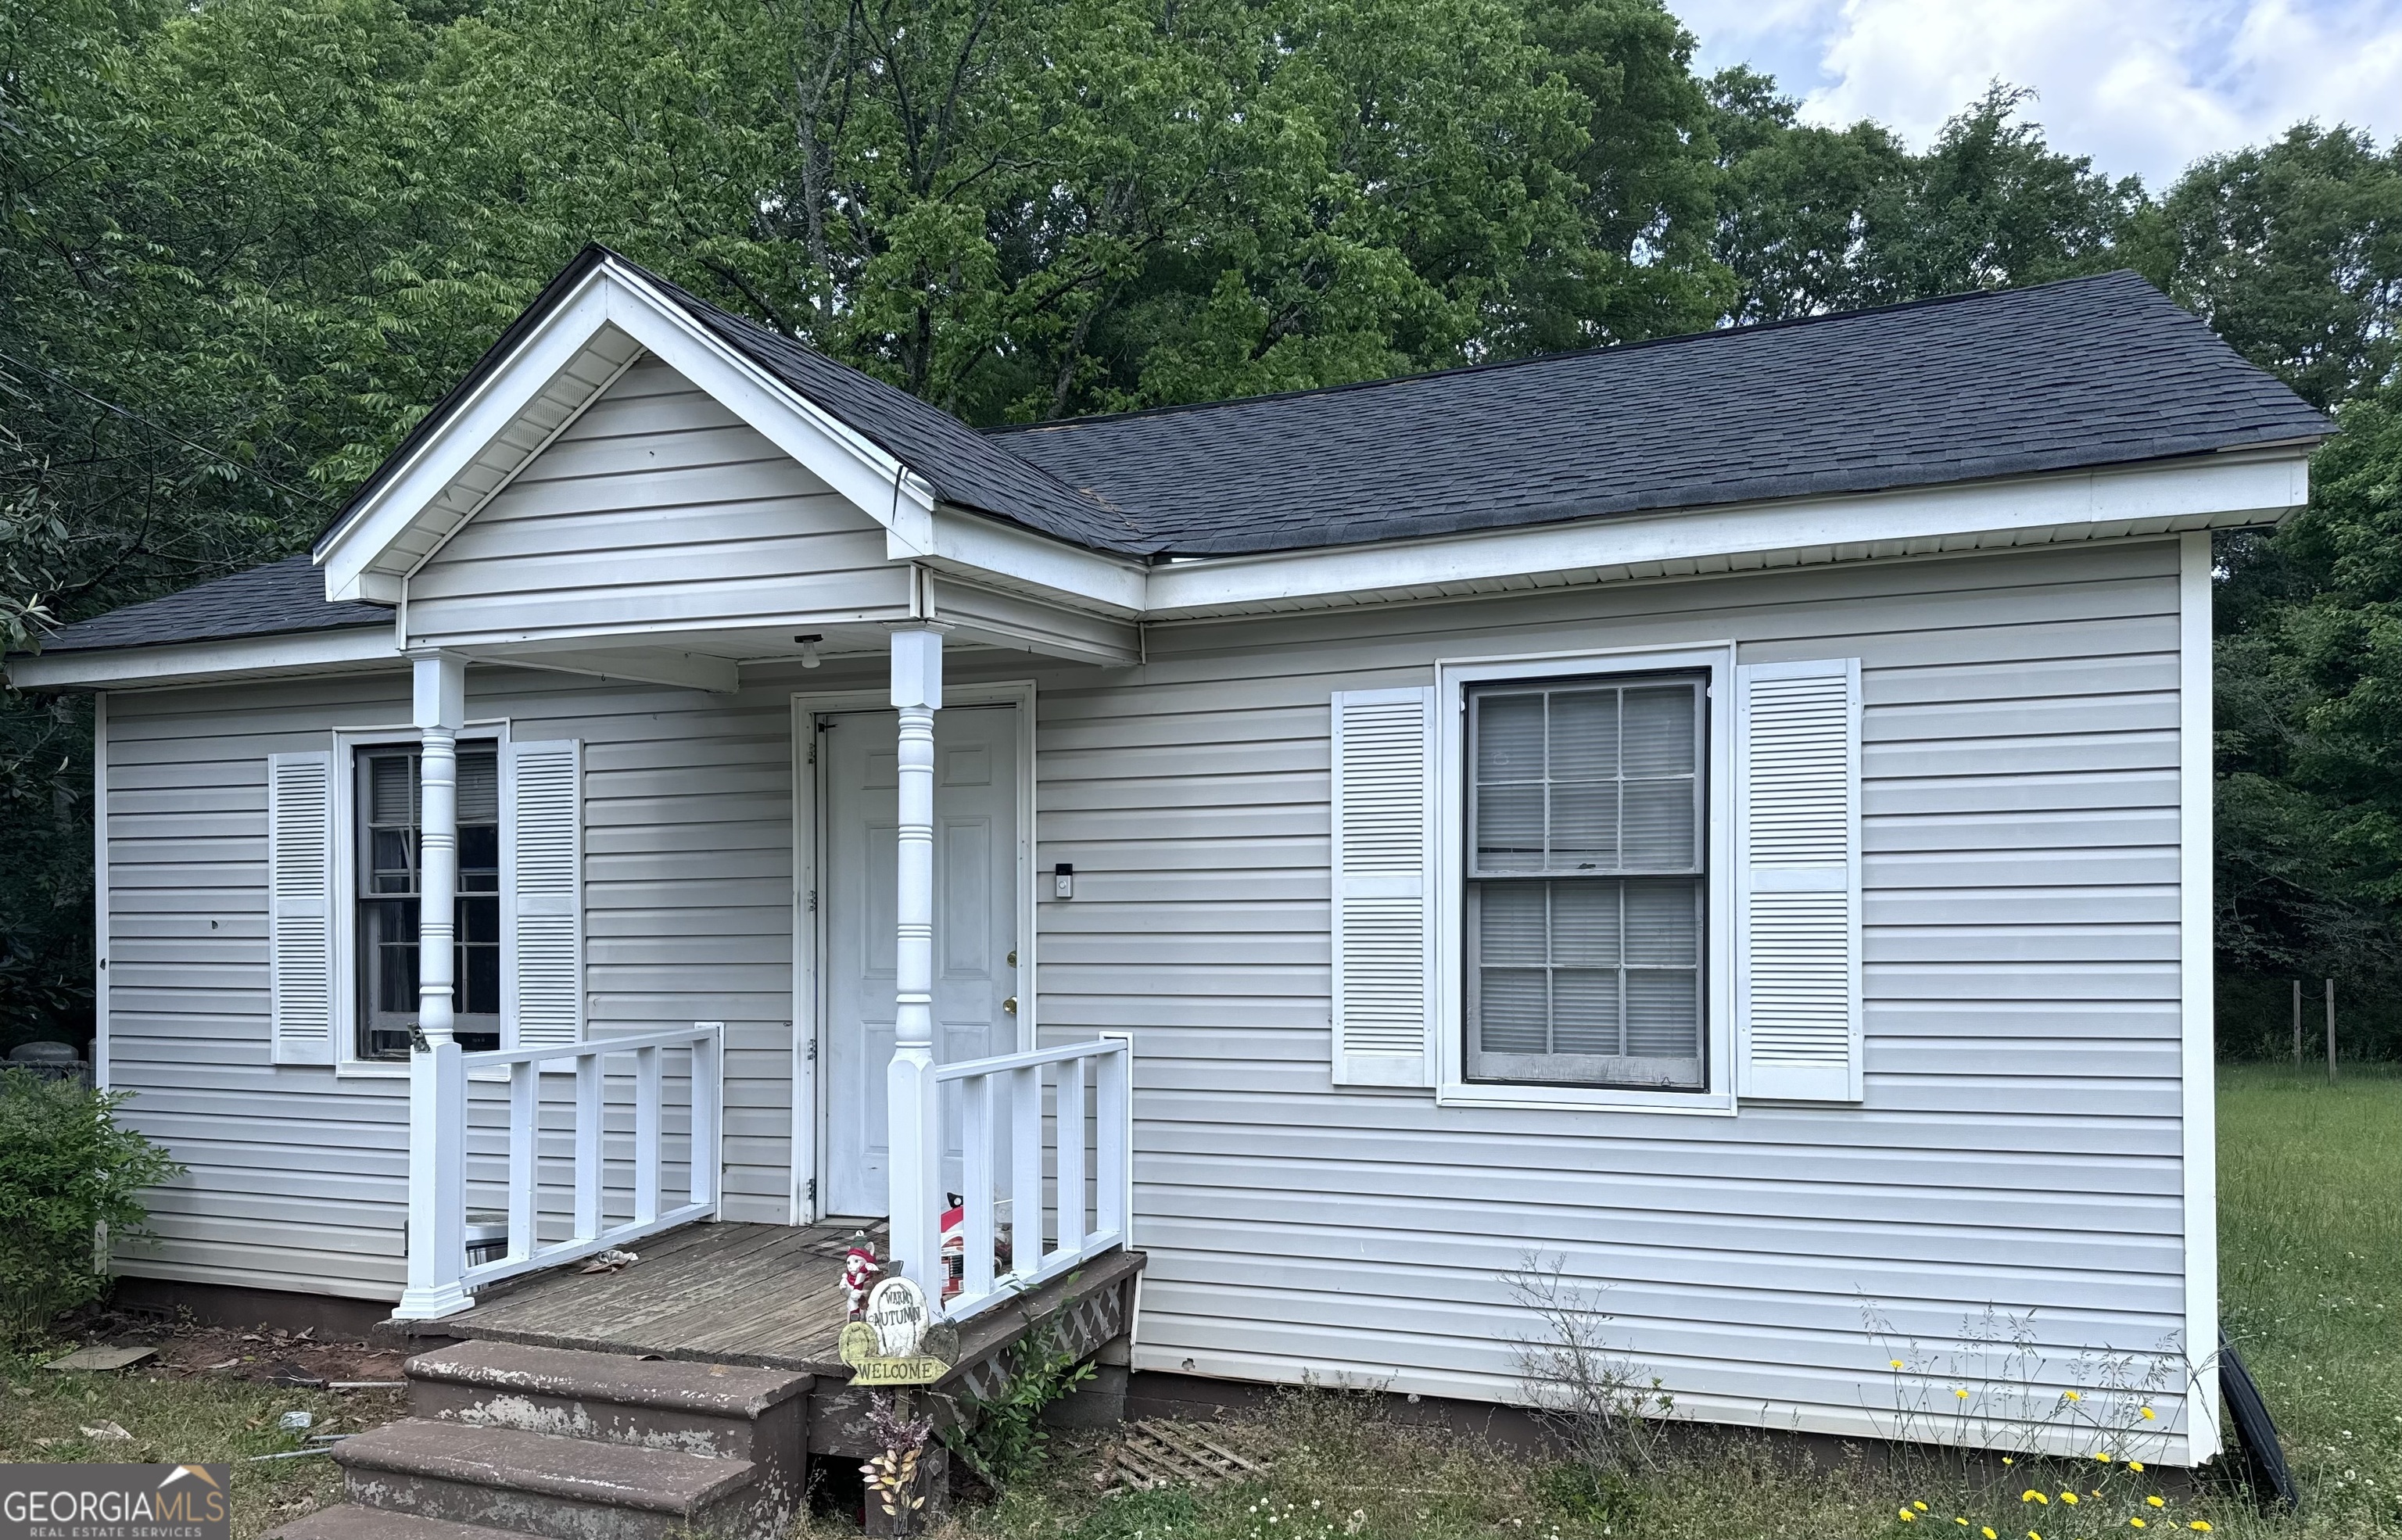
185, 1351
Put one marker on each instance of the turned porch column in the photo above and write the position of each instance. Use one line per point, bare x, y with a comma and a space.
914, 1175
437, 1081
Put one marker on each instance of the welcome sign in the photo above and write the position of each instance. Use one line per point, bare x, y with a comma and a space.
115, 1502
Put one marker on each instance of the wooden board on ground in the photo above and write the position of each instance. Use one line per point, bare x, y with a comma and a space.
99, 1360
1149, 1456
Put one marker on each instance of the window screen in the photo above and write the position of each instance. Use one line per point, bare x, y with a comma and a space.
388, 859
1586, 882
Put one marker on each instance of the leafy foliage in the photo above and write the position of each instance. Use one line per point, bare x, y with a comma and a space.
245, 245
66, 1168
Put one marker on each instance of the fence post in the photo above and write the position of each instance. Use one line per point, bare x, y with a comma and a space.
2330, 1015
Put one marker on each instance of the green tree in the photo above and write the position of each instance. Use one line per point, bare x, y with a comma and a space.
2293, 252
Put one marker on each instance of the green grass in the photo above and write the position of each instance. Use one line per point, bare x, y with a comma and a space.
2310, 1187
198, 1418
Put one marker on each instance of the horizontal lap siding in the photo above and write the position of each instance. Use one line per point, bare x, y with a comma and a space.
657, 505
296, 1176
2019, 1144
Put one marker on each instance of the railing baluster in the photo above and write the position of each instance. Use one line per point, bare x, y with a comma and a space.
708, 1081
647, 1134
975, 1187
1068, 1125
589, 1113
1026, 1169
1109, 1151
525, 1150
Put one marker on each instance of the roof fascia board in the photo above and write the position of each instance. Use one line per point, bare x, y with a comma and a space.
350, 554
183, 663
969, 544
2207, 490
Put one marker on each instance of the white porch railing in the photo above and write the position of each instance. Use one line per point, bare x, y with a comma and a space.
587, 1213
1085, 1144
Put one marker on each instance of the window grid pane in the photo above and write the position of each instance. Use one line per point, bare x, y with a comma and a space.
1587, 780
1586, 896
389, 810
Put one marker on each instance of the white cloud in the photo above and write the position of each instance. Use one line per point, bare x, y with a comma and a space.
2142, 85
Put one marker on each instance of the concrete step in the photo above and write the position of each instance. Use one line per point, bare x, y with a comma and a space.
565, 1489
351, 1522
718, 1410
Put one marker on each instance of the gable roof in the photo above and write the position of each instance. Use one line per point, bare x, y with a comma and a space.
2082, 373
281, 597
2086, 372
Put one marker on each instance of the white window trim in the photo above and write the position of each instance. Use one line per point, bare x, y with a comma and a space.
347, 742
1453, 676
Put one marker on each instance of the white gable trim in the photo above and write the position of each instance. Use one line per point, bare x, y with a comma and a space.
607, 322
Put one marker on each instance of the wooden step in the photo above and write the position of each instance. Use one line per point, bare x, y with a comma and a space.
719, 1410
353, 1522
565, 1489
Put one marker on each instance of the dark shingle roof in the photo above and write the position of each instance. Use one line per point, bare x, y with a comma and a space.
2086, 372
281, 596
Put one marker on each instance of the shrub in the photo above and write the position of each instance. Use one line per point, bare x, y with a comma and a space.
66, 1168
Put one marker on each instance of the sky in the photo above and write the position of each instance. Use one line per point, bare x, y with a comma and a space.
2140, 86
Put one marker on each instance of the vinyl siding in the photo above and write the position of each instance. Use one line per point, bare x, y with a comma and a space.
298, 1175
2020, 1142
657, 505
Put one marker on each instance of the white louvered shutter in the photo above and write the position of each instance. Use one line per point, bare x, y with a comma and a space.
1797, 880
1384, 887
542, 894
300, 907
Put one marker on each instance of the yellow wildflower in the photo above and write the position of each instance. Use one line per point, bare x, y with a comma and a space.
1990, 1534
2033, 1535
2156, 1501
1962, 1392
1896, 1362
1962, 1522
2069, 1498
2134, 1464
1920, 1507
2148, 1414
2137, 1523
2031, 1495
2074, 1396
2007, 1461
1908, 1516
2102, 1455
2201, 1524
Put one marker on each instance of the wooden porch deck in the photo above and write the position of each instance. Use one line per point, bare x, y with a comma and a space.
769, 1297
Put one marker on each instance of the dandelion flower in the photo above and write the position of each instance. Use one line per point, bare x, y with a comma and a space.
1989, 1534
2033, 1535
2156, 1501
1962, 1392
2031, 1495
2072, 1395
2201, 1524
2102, 1455
1920, 1507
1962, 1522
1896, 1362
1908, 1516
2137, 1523
2069, 1498
2007, 1461
2134, 1464
2148, 1414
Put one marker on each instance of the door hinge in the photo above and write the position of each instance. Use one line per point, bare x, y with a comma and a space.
813, 901
809, 1191
813, 1050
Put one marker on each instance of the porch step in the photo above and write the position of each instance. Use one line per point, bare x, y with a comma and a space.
353, 1522
716, 1410
562, 1488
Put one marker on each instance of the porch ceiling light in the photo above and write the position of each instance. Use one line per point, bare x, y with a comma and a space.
808, 650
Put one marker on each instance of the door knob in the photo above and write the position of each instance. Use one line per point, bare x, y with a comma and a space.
1010, 1005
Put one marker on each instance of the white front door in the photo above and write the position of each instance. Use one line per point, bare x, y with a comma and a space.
975, 922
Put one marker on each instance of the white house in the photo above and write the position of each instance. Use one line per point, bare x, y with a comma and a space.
1729, 817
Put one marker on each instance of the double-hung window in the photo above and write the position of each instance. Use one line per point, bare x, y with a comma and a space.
389, 852
1586, 911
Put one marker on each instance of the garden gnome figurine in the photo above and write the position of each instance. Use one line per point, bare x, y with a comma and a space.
858, 1270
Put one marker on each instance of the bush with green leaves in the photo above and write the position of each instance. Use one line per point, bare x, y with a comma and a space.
67, 1167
